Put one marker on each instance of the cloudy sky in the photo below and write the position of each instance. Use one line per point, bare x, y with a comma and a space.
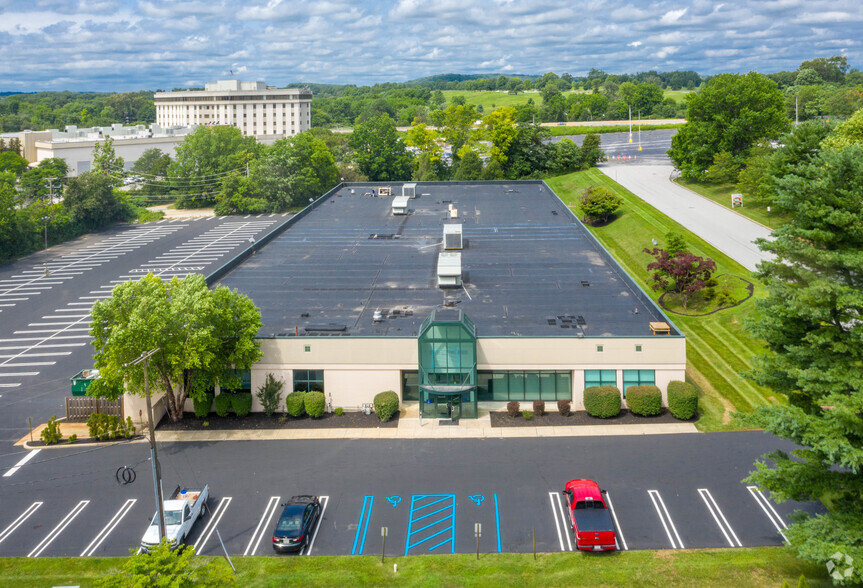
106, 45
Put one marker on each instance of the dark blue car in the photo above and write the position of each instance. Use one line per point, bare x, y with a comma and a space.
296, 523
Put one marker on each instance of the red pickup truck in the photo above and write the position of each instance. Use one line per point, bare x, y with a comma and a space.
591, 520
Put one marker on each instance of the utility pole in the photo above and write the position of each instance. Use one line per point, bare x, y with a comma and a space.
45, 220
154, 457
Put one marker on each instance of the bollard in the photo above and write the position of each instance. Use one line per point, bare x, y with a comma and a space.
534, 543
30, 422
383, 542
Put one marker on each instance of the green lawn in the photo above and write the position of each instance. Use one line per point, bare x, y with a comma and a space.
718, 348
491, 100
758, 566
721, 194
557, 131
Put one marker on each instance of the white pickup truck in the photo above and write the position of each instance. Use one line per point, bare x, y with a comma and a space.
182, 509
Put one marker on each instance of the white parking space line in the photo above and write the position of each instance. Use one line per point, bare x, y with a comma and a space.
106, 530
24, 459
762, 501
61, 526
717, 514
272, 504
326, 501
661, 510
19, 521
16, 374
559, 514
212, 524
10, 385
616, 523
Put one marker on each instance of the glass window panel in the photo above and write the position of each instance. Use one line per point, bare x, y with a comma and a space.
516, 385
453, 353
646, 376
467, 358
439, 363
592, 378
531, 386
547, 386
608, 377
410, 386
483, 386
564, 385
499, 386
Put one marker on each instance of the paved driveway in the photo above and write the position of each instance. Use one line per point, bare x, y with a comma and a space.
728, 231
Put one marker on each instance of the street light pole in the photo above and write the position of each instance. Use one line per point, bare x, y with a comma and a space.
154, 456
45, 220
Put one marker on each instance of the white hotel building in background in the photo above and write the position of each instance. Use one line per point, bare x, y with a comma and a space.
256, 109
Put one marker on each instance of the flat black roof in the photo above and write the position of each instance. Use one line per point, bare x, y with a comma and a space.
529, 267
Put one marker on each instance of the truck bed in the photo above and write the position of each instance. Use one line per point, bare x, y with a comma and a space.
593, 520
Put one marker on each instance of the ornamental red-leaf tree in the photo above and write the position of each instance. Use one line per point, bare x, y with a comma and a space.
681, 272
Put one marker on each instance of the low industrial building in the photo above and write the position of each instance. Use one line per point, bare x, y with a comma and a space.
258, 110
75, 145
357, 298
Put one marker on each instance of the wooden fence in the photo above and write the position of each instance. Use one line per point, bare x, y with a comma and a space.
79, 408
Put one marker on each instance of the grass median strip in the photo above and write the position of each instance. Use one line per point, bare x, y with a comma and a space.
718, 347
759, 566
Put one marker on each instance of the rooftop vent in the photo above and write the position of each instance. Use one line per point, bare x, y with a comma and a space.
400, 205
452, 237
585, 283
385, 191
449, 269
409, 190
378, 316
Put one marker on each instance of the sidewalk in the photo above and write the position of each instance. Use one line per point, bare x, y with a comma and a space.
409, 428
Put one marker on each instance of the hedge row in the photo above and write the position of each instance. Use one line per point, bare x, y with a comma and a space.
602, 401
682, 399
644, 400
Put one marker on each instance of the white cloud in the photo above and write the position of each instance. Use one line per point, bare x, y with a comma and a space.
634, 44
672, 16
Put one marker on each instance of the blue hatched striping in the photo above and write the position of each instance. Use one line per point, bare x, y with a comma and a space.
365, 513
428, 512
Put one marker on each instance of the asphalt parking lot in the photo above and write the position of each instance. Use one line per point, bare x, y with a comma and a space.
427, 494
44, 317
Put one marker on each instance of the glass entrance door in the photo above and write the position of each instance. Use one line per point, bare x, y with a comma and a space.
447, 406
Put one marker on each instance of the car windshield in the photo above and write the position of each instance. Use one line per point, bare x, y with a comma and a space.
172, 517
291, 520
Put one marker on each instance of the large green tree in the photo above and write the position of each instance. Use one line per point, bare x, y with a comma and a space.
93, 203
812, 322
204, 158
379, 151
202, 336
107, 162
293, 171
731, 113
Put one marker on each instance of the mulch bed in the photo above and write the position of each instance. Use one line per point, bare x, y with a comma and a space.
580, 417
259, 421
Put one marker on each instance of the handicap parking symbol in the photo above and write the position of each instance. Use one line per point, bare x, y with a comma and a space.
477, 498
394, 500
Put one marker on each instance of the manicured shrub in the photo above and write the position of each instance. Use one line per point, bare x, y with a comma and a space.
270, 395
513, 408
241, 403
682, 399
386, 405
602, 401
644, 400
223, 404
203, 406
539, 407
315, 403
564, 407
51, 433
339, 411
527, 415
95, 423
73, 437
295, 403
129, 429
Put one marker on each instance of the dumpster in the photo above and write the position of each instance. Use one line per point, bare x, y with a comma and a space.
82, 380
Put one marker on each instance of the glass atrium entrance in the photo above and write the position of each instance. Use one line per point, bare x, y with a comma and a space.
447, 365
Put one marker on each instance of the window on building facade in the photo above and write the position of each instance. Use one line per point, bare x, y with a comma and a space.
600, 378
506, 385
309, 380
637, 378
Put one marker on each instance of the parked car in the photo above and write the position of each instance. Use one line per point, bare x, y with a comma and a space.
589, 515
296, 523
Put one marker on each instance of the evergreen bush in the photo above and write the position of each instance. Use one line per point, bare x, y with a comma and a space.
241, 403
564, 407
644, 400
386, 405
315, 403
203, 406
295, 403
602, 401
682, 399
539, 407
513, 408
223, 404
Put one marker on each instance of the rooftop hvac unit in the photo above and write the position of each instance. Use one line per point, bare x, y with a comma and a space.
449, 269
400, 205
409, 190
385, 191
452, 238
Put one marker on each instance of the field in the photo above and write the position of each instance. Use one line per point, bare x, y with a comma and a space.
757, 567
718, 347
721, 194
491, 100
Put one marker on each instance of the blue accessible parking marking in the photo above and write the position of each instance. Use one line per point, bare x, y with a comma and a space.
365, 515
432, 521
